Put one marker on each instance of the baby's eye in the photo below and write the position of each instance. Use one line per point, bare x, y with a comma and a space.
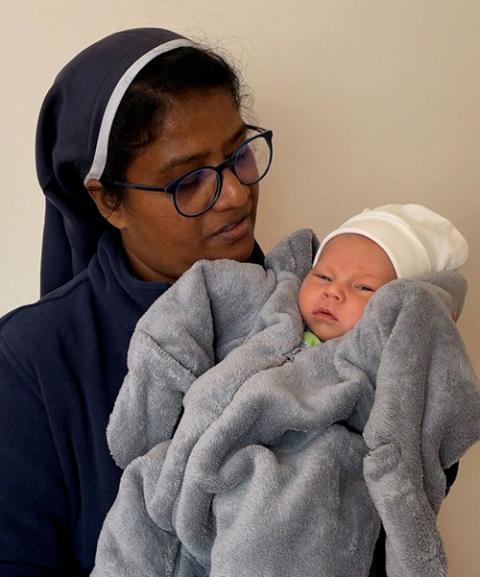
324, 277
364, 288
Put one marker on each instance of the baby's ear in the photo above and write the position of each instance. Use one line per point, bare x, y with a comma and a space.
454, 316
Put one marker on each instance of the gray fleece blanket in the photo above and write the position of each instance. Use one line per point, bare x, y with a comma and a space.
248, 455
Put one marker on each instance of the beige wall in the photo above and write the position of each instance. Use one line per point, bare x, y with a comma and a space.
370, 101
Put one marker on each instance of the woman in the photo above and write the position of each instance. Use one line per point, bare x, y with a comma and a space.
145, 107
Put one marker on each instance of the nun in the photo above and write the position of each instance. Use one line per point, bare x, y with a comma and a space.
147, 165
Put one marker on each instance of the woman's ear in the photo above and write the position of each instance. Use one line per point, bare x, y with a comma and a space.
108, 205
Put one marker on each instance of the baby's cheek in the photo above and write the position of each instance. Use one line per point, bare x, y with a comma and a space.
357, 311
304, 303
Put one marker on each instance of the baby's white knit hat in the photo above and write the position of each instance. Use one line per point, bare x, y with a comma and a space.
416, 239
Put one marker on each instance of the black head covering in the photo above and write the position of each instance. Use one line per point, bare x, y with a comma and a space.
72, 138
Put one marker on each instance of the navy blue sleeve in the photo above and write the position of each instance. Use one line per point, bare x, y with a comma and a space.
451, 475
35, 538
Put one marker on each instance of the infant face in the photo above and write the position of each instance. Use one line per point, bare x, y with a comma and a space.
335, 292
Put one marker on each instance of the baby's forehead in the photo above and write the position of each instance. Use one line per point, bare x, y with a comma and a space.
354, 253
346, 242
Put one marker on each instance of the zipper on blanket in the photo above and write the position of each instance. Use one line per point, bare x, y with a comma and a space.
292, 354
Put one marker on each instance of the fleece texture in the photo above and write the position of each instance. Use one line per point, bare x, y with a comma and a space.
246, 454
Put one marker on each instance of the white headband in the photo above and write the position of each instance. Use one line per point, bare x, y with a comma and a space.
100, 157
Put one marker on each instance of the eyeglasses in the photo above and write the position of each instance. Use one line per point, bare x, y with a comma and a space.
198, 190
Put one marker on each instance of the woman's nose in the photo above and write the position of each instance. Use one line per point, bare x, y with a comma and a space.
233, 193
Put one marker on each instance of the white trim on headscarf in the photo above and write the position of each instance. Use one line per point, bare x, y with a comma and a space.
100, 157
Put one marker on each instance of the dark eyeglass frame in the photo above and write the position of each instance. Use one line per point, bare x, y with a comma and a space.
171, 187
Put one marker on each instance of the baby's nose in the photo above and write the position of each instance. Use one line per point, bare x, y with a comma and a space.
333, 291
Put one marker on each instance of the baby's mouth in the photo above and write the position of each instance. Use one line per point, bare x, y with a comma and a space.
325, 314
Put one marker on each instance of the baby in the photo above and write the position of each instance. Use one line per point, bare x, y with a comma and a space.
367, 251
237, 442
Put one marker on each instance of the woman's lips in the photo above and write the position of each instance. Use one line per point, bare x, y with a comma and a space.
235, 230
325, 314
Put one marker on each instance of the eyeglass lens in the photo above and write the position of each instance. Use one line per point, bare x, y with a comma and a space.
197, 191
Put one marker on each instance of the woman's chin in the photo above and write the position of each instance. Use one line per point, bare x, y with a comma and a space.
241, 250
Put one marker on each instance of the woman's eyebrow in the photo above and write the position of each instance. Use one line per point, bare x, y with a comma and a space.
240, 132
181, 160
190, 158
